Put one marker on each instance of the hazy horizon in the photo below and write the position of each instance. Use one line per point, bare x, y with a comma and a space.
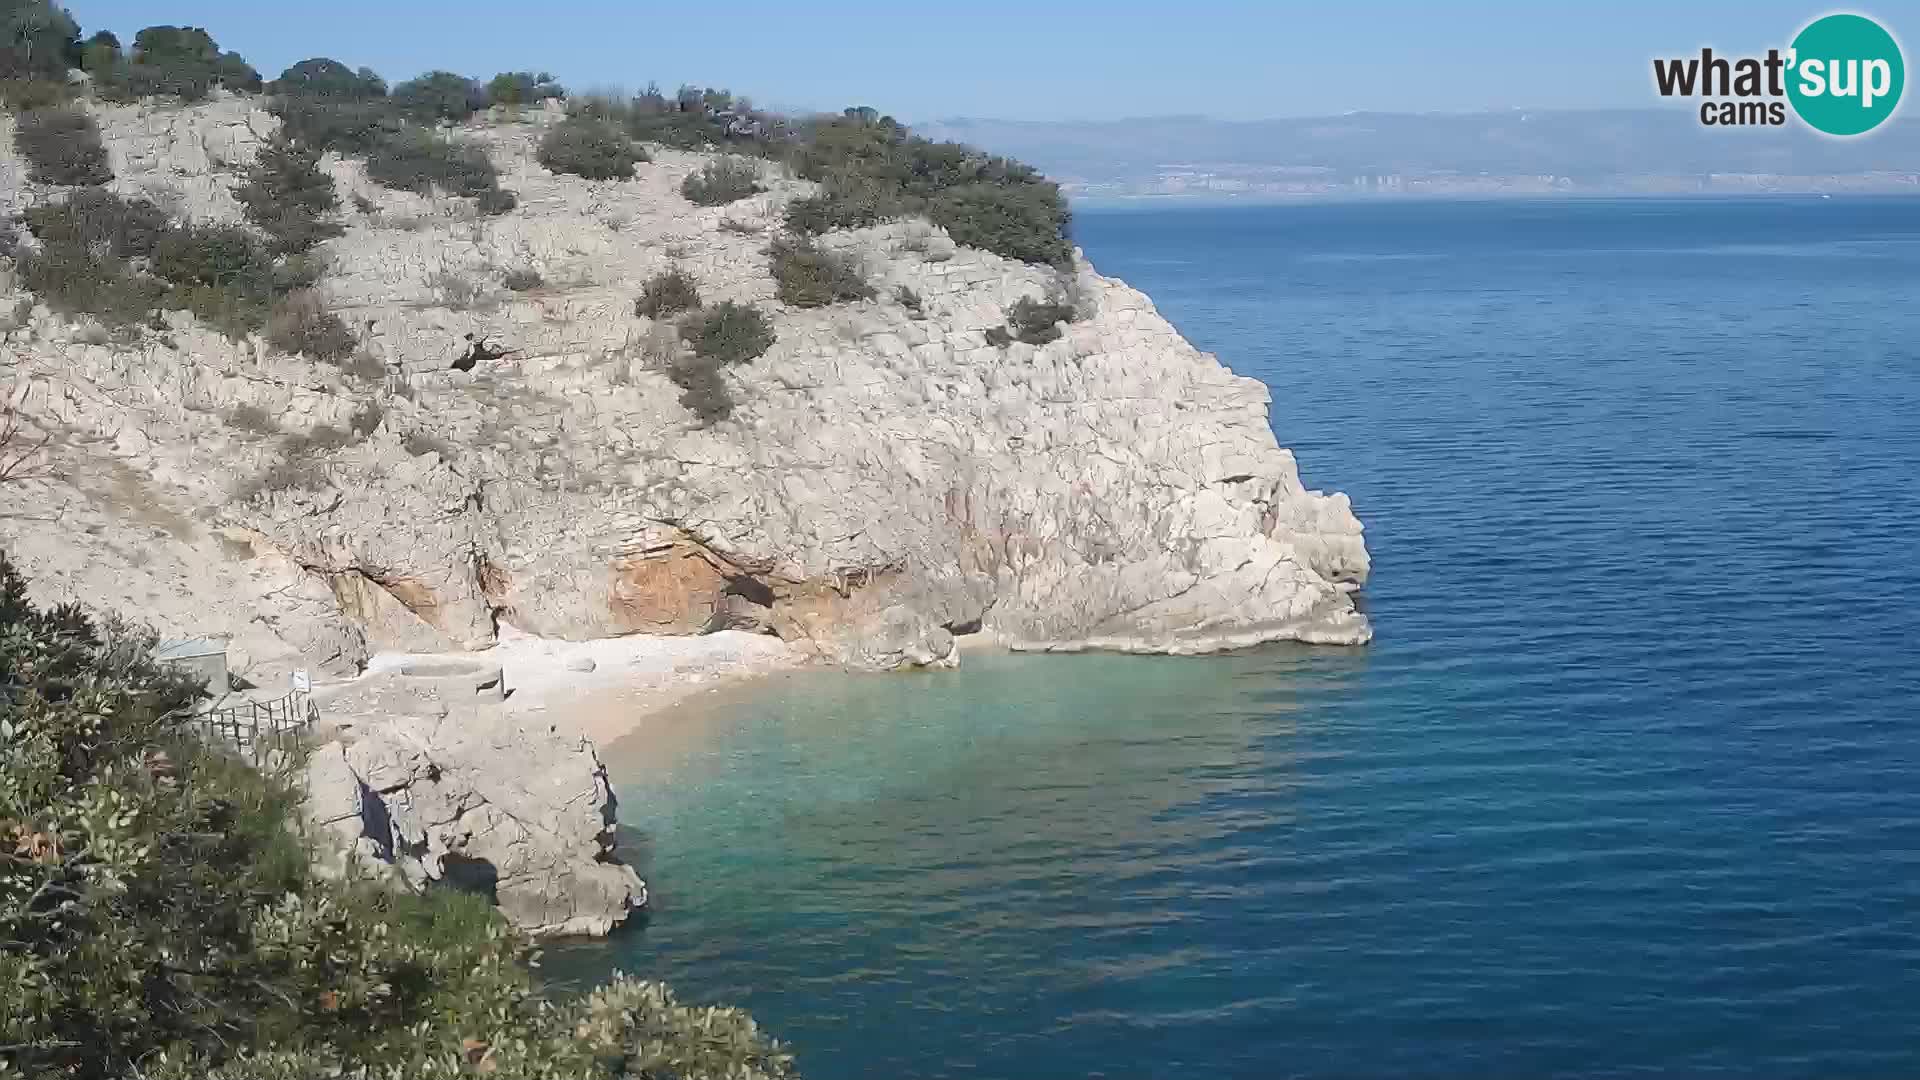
1074, 62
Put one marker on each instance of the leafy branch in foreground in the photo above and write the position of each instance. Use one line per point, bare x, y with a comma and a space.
160, 916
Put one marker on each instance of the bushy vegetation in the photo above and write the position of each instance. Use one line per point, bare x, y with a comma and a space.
667, 294
725, 180
806, 276
24, 95
1037, 322
439, 96
726, 333
1023, 221
872, 168
590, 147
328, 79
83, 267
38, 41
695, 118
62, 146
422, 162
729, 333
91, 217
703, 391
300, 324
76, 281
287, 196
167, 61
847, 202
523, 279
517, 88
346, 125
93, 245
161, 917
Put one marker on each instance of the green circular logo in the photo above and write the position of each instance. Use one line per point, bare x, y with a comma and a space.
1846, 74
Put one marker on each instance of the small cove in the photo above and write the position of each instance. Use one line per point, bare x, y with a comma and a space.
1625, 783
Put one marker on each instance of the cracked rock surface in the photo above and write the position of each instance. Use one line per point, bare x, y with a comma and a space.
889, 477
411, 780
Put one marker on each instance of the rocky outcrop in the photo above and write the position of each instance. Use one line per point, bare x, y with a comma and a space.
889, 480
416, 776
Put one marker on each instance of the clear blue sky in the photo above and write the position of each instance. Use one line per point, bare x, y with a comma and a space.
1022, 60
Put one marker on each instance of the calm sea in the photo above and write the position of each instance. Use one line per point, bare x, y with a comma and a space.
1629, 783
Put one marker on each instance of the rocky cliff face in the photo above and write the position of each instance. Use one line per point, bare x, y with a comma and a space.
414, 774
889, 478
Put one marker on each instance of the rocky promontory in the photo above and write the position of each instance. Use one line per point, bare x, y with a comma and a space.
890, 477
512, 441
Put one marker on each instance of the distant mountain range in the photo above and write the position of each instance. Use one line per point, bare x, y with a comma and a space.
1519, 152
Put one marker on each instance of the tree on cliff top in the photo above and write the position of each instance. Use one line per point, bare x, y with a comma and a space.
159, 916
38, 40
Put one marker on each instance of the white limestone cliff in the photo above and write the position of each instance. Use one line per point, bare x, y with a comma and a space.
888, 478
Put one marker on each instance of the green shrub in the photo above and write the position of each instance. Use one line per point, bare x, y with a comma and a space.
347, 125
907, 298
172, 61
847, 202
125, 228
438, 96
516, 88
101, 52
37, 40
695, 119
422, 162
82, 267
1026, 222
300, 324
225, 257
703, 390
62, 146
288, 197
75, 280
162, 918
231, 313
595, 149
722, 181
805, 276
322, 77
132, 81
1037, 322
872, 169
523, 279
728, 333
999, 337
25, 95
221, 273
668, 293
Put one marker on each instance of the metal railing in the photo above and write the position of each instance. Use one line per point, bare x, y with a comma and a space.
259, 728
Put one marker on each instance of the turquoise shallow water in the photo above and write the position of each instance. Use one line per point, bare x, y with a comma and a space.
1629, 783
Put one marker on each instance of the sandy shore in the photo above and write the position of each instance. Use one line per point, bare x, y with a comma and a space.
606, 689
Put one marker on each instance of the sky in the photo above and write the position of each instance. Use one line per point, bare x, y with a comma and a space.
1030, 60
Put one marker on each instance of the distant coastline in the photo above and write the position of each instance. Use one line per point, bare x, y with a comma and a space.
1517, 153
1215, 200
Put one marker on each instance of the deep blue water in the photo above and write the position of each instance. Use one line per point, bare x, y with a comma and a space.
1629, 783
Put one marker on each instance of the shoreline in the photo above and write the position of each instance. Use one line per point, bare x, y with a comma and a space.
603, 690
